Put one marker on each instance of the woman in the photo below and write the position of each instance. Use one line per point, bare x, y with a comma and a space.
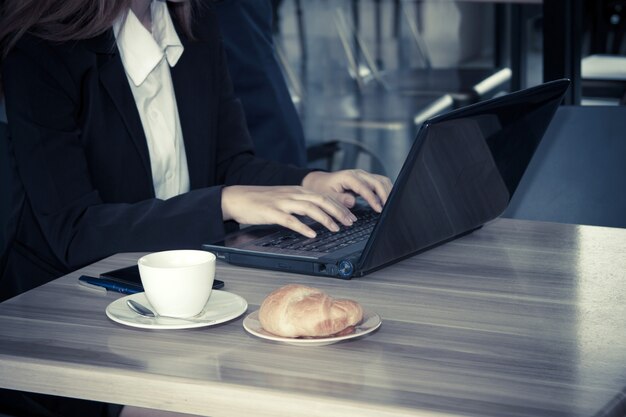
127, 137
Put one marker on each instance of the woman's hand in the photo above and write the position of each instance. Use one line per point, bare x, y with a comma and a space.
324, 197
278, 205
343, 185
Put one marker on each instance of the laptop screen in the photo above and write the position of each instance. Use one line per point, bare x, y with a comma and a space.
461, 172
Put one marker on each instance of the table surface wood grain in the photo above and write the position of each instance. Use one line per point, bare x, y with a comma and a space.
519, 318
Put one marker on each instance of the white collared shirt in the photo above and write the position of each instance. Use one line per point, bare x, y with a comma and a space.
147, 58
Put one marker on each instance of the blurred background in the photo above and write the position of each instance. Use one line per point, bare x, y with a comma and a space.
369, 72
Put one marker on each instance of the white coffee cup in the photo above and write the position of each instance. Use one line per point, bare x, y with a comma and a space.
178, 283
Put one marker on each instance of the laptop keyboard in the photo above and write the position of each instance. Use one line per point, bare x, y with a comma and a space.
326, 241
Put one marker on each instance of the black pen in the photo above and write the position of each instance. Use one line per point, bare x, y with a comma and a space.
108, 285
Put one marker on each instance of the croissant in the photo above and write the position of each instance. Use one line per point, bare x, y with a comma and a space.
299, 311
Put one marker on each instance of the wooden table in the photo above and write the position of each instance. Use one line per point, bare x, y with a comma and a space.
520, 318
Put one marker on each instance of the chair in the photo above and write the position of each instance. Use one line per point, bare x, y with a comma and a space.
463, 85
603, 71
337, 154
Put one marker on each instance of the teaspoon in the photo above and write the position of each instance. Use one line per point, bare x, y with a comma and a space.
146, 312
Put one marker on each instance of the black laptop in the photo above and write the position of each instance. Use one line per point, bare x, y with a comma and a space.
460, 173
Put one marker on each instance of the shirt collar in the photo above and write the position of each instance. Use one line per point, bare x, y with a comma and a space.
140, 50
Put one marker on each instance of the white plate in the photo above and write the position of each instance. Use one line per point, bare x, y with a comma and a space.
222, 306
370, 322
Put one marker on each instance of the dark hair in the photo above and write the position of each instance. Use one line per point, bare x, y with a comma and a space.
66, 20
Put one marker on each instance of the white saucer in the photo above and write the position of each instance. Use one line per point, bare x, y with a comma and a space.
370, 322
222, 306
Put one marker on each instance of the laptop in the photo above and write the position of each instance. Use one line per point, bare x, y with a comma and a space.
460, 173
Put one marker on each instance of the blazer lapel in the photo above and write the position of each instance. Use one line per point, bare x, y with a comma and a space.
113, 78
191, 80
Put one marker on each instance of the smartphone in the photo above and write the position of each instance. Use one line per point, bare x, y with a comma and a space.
130, 276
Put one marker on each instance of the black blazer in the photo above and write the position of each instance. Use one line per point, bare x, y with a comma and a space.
83, 180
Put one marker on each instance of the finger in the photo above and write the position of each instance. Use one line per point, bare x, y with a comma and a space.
387, 184
291, 222
329, 205
346, 198
356, 183
381, 184
307, 208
